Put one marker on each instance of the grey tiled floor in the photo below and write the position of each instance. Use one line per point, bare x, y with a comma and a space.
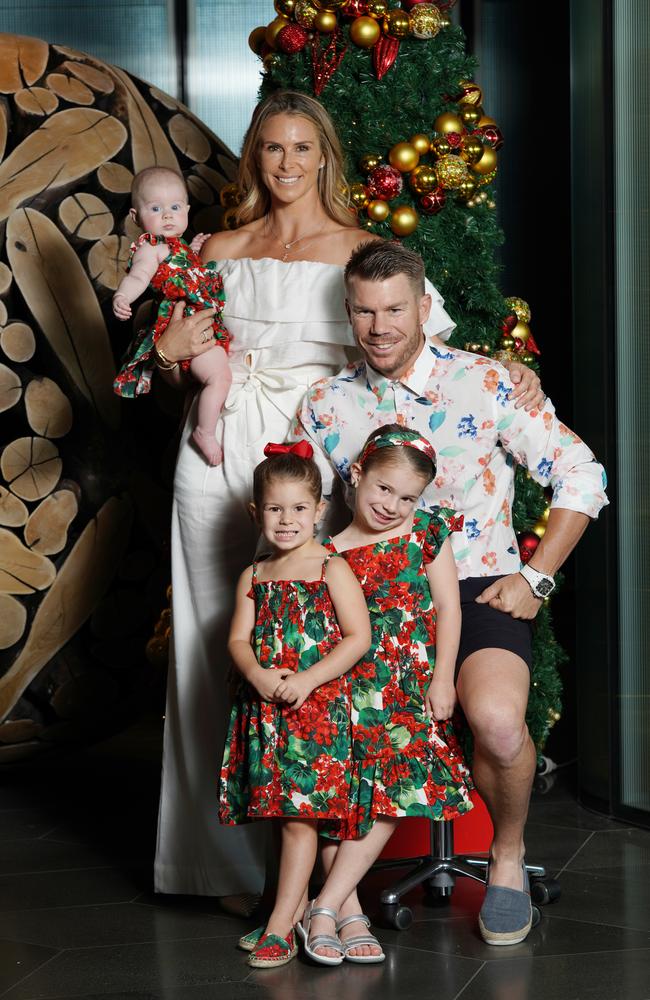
78, 917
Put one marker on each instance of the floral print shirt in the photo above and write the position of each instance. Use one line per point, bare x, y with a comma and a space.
462, 403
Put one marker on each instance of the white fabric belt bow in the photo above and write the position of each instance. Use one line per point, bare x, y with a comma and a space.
251, 392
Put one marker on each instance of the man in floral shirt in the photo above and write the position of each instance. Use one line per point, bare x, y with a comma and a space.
463, 403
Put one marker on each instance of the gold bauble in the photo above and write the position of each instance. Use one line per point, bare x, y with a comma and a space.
329, 4
404, 157
285, 8
487, 163
377, 210
230, 195
426, 20
526, 358
358, 196
471, 92
256, 39
229, 220
451, 171
397, 23
486, 349
376, 8
424, 178
448, 122
305, 13
474, 347
273, 30
507, 342
519, 307
486, 120
421, 142
471, 114
368, 162
471, 149
521, 331
539, 529
326, 21
546, 514
270, 61
466, 188
445, 20
365, 32
440, 147
404, 220
503, 357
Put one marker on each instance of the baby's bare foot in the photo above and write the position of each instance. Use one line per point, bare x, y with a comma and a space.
207, 446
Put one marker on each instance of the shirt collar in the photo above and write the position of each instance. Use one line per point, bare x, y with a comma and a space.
415, 378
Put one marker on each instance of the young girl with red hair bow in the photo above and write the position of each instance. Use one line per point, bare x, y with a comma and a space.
300, 624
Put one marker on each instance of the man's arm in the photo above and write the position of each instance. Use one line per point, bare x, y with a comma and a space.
556, 457
512, 594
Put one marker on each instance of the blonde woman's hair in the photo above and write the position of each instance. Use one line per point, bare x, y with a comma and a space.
332, 186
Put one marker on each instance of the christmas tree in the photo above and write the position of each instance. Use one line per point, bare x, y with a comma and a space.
422, 158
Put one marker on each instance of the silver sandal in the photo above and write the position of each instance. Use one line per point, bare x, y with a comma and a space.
321, 940
359, 940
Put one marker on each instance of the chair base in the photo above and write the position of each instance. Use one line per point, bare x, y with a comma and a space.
439, 871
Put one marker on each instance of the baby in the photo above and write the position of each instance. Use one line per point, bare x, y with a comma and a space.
162, 259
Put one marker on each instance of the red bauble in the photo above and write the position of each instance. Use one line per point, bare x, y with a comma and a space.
292, 39
454, 139
384, 182
528, 542
410, 4
491, 134
354, 8
433, 201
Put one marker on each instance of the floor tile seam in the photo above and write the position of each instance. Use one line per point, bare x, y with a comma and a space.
431, 951
579, 829
68, 906
137, 944
470, 980
599, 923
574, 855
623, 867
31, 972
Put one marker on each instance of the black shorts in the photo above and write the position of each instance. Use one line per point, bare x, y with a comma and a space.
484, 627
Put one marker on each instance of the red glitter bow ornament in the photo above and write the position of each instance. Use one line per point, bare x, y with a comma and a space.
302, 449
325, 64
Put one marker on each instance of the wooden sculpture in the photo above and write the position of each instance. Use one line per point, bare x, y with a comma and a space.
83, 494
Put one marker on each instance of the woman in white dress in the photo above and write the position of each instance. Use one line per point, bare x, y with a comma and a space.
283, 278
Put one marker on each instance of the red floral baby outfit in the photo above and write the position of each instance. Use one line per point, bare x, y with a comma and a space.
181, 276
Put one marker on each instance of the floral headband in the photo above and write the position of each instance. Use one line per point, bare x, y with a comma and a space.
404, 438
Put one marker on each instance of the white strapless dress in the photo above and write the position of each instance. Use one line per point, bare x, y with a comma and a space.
289, 329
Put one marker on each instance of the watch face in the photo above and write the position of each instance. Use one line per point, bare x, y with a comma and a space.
544, 588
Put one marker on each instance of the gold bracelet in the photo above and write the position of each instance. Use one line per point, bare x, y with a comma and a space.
162, 362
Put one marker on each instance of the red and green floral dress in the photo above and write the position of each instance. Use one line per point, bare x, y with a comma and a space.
280, 761
403, 764
182, 275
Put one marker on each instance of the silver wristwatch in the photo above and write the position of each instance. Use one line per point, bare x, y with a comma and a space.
540, 584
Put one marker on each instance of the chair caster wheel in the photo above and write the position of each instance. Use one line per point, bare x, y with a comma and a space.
545, 890
399, 917
537, 915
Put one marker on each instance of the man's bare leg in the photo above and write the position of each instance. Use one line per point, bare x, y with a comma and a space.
493, 692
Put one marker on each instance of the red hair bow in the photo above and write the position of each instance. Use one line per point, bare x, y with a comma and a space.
302, 449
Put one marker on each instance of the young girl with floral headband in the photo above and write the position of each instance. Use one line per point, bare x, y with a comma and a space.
406, 759
300, 623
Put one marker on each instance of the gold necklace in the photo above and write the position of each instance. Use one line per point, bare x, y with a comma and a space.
292, 243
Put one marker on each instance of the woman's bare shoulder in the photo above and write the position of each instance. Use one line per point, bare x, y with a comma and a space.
231, 243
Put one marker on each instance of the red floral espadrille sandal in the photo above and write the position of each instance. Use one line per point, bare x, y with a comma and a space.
272, 951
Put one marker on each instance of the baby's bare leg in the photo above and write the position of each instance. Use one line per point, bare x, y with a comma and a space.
213, 372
